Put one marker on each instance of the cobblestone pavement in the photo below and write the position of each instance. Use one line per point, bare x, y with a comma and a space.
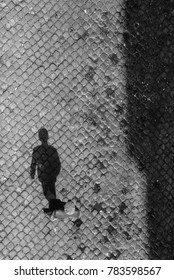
62, 66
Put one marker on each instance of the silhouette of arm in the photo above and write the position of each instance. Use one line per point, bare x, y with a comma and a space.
33, 164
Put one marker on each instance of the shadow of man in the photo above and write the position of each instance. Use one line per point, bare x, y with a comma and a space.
45, 158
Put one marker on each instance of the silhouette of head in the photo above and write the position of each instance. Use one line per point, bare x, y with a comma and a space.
43, 135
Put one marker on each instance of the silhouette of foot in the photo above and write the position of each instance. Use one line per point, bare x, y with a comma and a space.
47, 211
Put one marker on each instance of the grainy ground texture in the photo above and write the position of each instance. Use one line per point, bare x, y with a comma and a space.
98, 76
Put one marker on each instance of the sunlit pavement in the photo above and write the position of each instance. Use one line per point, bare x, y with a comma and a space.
62, 67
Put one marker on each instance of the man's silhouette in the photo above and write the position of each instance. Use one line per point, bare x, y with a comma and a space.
46, 159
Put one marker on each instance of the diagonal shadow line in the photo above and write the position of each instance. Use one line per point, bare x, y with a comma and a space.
150, 81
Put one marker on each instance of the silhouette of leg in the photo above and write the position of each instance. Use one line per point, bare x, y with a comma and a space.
52, 189
50, 194
56, 204
49, 190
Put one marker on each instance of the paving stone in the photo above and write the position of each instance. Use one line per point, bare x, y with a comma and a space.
64, 68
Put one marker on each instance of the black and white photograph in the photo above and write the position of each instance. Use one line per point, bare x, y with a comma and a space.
87, 130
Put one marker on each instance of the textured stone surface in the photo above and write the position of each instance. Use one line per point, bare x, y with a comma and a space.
149, 43
62, 66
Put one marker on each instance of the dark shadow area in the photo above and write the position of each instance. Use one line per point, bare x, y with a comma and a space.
46, 160
149, 39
